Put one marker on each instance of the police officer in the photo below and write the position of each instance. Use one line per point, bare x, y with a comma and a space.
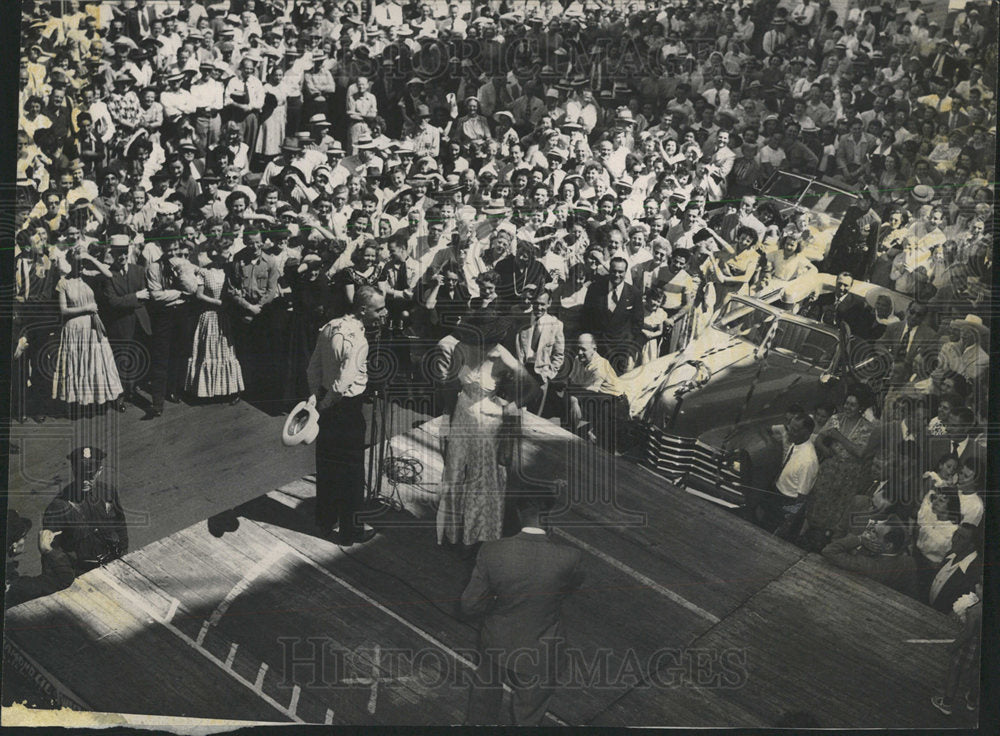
57, 568
88, 514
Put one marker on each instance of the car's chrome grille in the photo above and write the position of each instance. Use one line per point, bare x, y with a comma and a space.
693, 462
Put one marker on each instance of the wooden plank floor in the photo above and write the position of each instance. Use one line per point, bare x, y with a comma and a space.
697, 617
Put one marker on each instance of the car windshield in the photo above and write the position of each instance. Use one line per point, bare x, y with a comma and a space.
831, 202
786, 187
743, 320
805, 343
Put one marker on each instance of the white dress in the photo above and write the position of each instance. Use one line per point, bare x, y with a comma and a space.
473, 483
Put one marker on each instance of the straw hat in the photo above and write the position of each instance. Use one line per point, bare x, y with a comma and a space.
301, 426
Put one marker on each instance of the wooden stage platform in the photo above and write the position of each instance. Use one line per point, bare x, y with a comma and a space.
689, 616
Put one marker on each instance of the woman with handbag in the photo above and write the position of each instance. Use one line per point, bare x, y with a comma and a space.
481, 436
85, 373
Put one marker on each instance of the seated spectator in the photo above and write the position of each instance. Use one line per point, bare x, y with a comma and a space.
592, 386
879, 553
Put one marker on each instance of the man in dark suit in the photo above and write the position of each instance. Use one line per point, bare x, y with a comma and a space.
962, 439
841, 307
960, 571
123, 310
908, 339
139, 19
518, 586
612, 313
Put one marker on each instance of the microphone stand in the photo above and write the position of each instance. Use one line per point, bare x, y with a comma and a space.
382, 416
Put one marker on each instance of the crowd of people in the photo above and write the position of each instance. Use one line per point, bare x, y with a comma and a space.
208, 184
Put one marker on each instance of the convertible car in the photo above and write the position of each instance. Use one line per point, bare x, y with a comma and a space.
818, 205
707, 410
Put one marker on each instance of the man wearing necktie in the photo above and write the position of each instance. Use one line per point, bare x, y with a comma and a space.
906, 339
961, 440
612, 312
540, 345
36, 321
138, 20
169, 313
782, 508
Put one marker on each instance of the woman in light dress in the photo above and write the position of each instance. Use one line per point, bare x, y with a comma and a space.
213, 369
86, 374
474, 481
275, 112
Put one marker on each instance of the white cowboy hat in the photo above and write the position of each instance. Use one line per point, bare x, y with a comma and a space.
971, 320
301, 426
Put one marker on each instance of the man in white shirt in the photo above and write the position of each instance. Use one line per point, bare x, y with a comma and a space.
783, 507
388, 14
338, 376
593, 384
960, 570
975, 361
540, 344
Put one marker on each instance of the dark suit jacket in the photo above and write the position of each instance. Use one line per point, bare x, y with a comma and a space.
133, 26
121, 310
898, 572
941, 445
609, 326
853, 311
957, 585
518, 585
925, 340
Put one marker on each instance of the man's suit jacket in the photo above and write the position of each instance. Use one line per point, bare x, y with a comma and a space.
953, 119
941, 445
609, 326
551, 346
518, 585
133, 24
852, 310
122, 312
925, 340
958, 584
898, 572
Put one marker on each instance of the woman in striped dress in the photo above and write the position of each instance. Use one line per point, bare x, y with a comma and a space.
86, 374
213, 369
